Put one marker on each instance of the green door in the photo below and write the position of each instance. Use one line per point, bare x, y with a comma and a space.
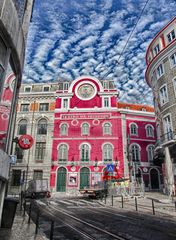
61, 179
84, 178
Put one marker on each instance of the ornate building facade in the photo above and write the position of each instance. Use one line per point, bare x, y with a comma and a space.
92, 130
161, 77
35, 116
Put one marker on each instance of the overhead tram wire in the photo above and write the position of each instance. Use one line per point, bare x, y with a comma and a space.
130, 35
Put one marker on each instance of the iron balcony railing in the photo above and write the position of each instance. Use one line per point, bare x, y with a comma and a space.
167, 138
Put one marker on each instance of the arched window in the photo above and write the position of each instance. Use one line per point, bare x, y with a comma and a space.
63, 153
107, 128
85, 152
150, 152
133, 129
85, 129
64, 129
149, 131
107, 152
22, 127
135, 151
42, 127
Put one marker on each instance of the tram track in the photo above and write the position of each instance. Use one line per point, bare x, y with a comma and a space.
136, 220
92, 231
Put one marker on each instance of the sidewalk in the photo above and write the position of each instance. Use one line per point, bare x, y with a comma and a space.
21, 230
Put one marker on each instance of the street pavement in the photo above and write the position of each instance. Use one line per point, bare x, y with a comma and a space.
22, 230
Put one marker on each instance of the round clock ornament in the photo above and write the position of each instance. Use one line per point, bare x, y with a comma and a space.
85, 91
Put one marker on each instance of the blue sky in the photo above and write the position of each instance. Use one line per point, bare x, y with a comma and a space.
71, 38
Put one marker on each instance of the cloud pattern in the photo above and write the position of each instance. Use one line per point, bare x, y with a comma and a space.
71, 38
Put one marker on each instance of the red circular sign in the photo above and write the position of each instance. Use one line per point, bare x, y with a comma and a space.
25, 141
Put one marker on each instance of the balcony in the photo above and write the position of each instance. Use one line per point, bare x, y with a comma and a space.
167, 139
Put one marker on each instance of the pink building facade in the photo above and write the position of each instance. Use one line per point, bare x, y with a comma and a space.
93, 132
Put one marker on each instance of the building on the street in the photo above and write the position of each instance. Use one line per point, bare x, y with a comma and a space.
92, 130
161, 77
12, 45
35, 117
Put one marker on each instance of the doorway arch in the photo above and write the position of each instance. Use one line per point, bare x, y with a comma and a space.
61, 179
84, 178
154, 179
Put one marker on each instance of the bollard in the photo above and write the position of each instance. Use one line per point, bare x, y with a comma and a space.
24, 207
37, 223
112, 200
136, 204
122, 201
30, 207
153, 207
52, 230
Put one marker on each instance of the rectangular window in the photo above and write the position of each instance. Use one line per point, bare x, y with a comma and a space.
27, 89
106, 102
65, 103
167, 128
24, 107
66, 86
16, 177
38, 174
163, 95
19, 154
173, 60
174, 83
40, 151
171, 36
46, 89
160, 71
156, 49
44, 107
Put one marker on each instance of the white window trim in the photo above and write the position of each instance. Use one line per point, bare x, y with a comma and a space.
62, 103
174, 85
103, 99
147, 149
167, 100
155, 47
172, 65
80, 147
165, 116
88, 129
158, 77
110, 128
146, 126
60, 129
27, 87
132, 134
46, 86
169, 33
102, 147
136, 144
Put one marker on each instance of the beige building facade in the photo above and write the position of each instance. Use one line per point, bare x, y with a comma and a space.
35, 116
161, 77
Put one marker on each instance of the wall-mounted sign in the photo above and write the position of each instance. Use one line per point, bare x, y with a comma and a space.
25, 141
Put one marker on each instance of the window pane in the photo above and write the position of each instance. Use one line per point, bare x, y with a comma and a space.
42, 127
63, 153
16, 177
38, 174
44, 107
24, 107
40, 151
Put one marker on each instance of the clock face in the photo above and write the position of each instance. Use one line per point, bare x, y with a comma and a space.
86, 91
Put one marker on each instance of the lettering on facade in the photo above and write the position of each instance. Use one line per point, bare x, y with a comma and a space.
85, 116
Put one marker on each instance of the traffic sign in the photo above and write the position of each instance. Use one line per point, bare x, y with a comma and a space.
25, 141
110, 167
